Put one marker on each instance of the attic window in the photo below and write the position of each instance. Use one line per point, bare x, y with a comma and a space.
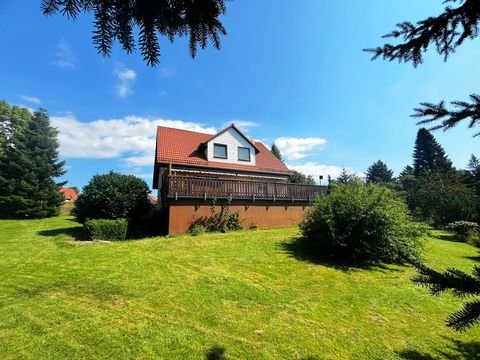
243, 153
220, 151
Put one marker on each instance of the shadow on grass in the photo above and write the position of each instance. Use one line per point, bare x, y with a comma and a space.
75, 233
447, 237
215, 353
458, 350
298, 249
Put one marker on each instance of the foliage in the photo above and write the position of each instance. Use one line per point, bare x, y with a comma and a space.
169, 287
276, 152
362, 223
28, 165
197, 229
104, 229
116, 20
441, 199
474, 171
379, 172
461, 285
299, 178
345, 177
446, 32
113, 196
428, 154
222, 221
466, 231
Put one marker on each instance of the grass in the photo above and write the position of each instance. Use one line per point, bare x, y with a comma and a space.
235, 296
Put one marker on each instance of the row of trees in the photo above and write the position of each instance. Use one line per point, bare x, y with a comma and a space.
435, 191
29, 164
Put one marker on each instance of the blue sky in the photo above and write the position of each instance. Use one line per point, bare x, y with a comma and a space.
286, 73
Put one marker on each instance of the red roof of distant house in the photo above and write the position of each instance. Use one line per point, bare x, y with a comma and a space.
181, 147
152, 198
69, 193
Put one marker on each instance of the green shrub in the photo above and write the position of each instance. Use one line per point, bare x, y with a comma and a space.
105, 229
466, 231
222, 221
197, 229
113, 196
358, 222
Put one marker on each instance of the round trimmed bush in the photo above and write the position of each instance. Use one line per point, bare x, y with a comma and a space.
113, 196
362, 223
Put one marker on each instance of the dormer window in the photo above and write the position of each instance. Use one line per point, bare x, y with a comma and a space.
220, 151
243, 153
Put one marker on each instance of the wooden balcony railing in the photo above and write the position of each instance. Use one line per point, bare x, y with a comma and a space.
209, 188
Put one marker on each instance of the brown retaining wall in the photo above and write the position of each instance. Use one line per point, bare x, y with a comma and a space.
184, 213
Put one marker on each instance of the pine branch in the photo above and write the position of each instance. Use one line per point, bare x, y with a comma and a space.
449, 118
460, 283
115, 19
466, 317
446, 32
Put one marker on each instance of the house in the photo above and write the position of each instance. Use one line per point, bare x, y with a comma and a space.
69, 193
192, 169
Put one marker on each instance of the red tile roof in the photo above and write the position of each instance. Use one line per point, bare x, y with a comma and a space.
69, 193
181, 147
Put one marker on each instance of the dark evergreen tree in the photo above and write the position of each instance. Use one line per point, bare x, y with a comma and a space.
299, 178
429, 155
28, 169
276, 152
446, 32
379, 172
344, 177
117, 20
407, 170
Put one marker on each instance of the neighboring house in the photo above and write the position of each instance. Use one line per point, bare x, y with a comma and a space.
152, 199
69, 193
192, 169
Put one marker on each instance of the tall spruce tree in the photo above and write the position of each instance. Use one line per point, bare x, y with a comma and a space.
428, 155
276, 152
28, 168
379, 172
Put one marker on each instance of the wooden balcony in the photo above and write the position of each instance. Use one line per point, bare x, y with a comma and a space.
210, 188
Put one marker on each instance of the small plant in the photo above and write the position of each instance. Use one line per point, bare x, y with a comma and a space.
224, 220
197, 229
466, 231
104, 229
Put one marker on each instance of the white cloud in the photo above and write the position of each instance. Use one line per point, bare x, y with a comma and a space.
126, 77
64, 56
315, 169
298, 148
166, 71
131, 138
243, 125
32, 99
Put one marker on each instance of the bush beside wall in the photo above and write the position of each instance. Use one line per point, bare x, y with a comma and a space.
103, 229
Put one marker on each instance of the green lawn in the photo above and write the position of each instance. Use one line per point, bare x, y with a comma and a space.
246, 295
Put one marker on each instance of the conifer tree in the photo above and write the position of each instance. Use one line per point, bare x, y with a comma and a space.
429, 155
28, 168
345, 177
379, 172
276, 152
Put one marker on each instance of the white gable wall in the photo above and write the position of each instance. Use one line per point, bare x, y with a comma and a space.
233, 140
